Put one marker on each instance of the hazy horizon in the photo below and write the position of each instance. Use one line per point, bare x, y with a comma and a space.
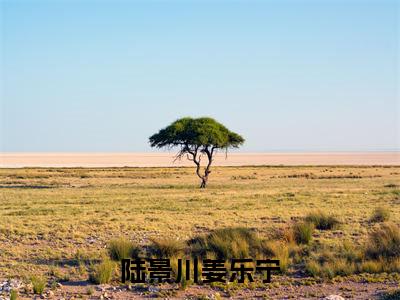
290, 76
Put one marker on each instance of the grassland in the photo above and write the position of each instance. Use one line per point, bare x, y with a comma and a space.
53, 221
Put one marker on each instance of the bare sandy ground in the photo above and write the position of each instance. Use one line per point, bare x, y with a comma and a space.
17, 160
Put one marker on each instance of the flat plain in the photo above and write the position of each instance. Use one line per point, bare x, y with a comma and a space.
166, 159
55, 221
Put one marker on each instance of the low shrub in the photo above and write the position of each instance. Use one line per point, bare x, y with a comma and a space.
370, 266
313, 268
322, 221
119, 249
302, 232
102, 273
166, 247
330, 266
227, 243
380, 214
342, 267
350, 252
384, 242
38, 284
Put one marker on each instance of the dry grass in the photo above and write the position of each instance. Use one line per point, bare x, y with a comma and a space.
38, 284
322, 220
51, 218
380, 214
302, 232
102, 272
121, 248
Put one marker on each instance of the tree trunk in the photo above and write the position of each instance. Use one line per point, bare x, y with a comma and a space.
196, 160
203, 182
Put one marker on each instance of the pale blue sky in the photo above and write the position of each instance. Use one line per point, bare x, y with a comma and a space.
287, 75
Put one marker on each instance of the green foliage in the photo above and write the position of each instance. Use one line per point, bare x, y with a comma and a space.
199, 132
302, 232
380, 214
384, 242
38, 284
322, 221
122, 248
102, 273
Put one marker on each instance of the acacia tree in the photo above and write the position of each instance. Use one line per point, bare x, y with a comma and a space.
197, 138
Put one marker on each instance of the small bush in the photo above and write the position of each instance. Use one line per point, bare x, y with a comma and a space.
384, 242
342, 267
330, 266
38, 284
370, 266
380, 214
102, 273
350, 252
166, 247
13, 295
302, 232
226, 243
119, 249
322, 221
277, 250
313, 268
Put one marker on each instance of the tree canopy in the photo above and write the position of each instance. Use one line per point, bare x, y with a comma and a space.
197, 137
202, 132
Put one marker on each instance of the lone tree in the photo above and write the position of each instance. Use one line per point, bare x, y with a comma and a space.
197, 138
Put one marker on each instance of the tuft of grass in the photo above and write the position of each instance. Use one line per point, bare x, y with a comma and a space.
226, 243
384, 242
166, 247
302, 232
330, 266
102, 273
380, 214
350, 252
313, 268
13, 295
322, 221
38, 284
281, 252
370, 266
121, 248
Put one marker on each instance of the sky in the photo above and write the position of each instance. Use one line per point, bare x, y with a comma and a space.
102, 76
